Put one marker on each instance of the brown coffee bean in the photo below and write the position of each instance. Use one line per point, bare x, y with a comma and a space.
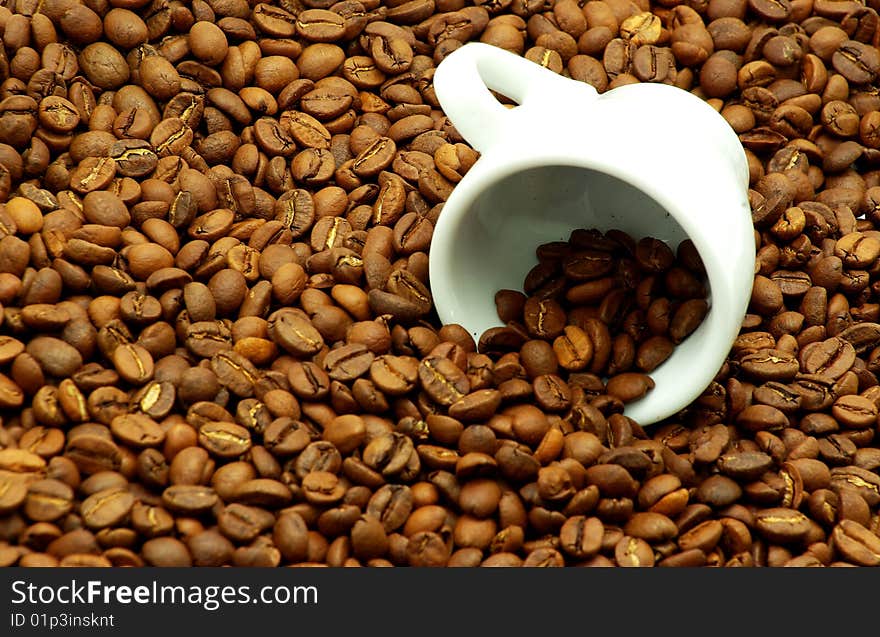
166, 552
633, 552
744, 465
346, 432
11, 395
133, 363
687, 318
290, 535
243, 523
208, 42
391, 454
375, 158
587, 265
104, 66
629, 386
771, 364
612, 480
443, 380
14, 490
394, 375
718, 491
210, 548
427, 549
106, 508
581, 537
293, 331
189, 499
348, 362
305, 129
46, 501
832, 358
235, 372
406, 286
654, 351
855, 412
782, 525
92, 453
651, 527
55, 357
224, 439
392, 505
46, 442
191, 465
857, 62
856, 543
159, 77
138, 430
704, 536
320, 25
322, 488
862, 481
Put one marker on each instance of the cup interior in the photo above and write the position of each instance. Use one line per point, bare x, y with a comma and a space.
492, 246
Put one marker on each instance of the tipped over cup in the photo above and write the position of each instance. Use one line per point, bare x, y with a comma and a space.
650, 160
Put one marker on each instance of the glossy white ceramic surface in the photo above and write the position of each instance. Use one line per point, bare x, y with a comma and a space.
649, 159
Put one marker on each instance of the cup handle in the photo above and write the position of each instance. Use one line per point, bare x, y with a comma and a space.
463, 79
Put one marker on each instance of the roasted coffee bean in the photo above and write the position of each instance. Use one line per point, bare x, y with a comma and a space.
771, 364
348, 362
704, 536
46, 501
392, 505
427, 549
745, 465
106, 508
581, 537
856, 62
855, 412
92, 453
629, 386
782, 525
394, 375
633, 552
14, 491
718, 491
56, 357
862, 481
293, 331
138, 430
235, 372
586, 265
374, 158
391, 454
443, 380
11, 395
407, 286
133, 363
543, 318
189, 499
856, 543
832, 358
224, 439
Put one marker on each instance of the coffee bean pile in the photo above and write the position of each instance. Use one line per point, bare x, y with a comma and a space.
218, 343
604, 310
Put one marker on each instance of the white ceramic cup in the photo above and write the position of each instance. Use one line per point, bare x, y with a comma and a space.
648, 159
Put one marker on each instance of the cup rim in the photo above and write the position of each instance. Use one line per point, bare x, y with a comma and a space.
488, 172
729, 282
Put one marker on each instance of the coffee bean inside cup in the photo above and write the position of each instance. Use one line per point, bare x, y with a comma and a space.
602, 304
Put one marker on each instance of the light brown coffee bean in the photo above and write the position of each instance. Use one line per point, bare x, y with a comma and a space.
107, 508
